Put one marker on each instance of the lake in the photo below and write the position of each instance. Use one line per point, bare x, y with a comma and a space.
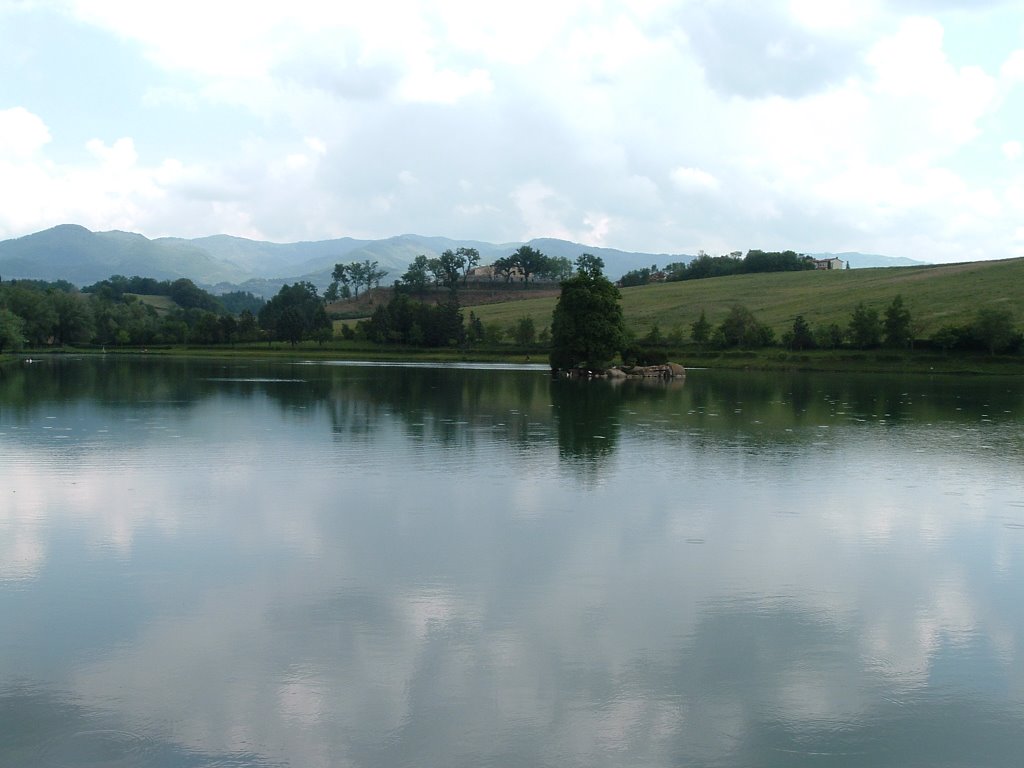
246, 563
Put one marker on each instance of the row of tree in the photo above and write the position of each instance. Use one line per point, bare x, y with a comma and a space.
454, 267
445, 270
992, 330
735, 263
349, 278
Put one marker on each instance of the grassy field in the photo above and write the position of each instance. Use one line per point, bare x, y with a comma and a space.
935, 295
161, 304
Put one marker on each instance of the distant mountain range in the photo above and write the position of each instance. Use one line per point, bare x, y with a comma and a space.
225, 263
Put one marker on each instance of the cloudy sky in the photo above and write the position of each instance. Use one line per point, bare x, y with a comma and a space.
666, 126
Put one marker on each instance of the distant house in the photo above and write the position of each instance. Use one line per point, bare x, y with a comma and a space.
832, 263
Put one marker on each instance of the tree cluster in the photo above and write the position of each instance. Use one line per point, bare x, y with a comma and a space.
526, 262
445, 270
704, 266
347, 279
587, 328
404, 320
296, 313
38, 313
992, 331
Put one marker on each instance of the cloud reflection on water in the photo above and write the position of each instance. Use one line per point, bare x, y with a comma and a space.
750, 590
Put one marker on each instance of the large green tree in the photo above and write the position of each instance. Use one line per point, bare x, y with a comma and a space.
741, 329
586, 327
418, 275
898, 333
12, 330
865, 329
530, 261
295, 313
993, 328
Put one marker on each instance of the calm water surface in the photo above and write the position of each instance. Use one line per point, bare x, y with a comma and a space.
264, 564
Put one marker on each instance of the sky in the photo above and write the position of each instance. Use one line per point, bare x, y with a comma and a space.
668, 127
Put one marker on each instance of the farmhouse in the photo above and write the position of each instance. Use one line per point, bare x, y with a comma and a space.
832, 263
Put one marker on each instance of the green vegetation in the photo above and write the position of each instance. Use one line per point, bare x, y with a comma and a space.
705, 266
586, 325
296, 313
955, 317
935, 296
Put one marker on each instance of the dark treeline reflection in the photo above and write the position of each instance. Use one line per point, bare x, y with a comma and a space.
447, 405
521, 407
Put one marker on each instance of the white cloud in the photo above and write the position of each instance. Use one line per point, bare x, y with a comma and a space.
121, 154
1013, 67
833, 15
445, 86
1012, 149
691, 179
21, 133
577, 119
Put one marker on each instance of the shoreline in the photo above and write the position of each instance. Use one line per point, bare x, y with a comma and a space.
823, 361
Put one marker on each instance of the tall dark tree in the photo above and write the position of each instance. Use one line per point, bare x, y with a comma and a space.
800, 337
450, 264
865, 328
700, 330
470, 258
897, 324
586, 327
341, 279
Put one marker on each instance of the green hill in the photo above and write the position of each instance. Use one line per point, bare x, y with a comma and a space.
935, 295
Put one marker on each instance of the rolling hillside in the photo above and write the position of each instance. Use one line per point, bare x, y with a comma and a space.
225, 263
935, 296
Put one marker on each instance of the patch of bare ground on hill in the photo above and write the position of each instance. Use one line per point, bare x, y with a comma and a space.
472, 295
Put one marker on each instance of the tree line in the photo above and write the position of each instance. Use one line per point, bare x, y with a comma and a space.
992, 330
454, 267
40, 313
704, 266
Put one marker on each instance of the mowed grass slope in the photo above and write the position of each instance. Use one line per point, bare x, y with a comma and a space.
161, 304
941, 295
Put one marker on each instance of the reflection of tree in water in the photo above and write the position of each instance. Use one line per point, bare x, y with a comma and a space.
445, 405
588, 414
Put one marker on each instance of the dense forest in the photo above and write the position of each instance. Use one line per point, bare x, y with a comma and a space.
120, 311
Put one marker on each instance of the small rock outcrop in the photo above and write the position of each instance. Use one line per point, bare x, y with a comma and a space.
664, 371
